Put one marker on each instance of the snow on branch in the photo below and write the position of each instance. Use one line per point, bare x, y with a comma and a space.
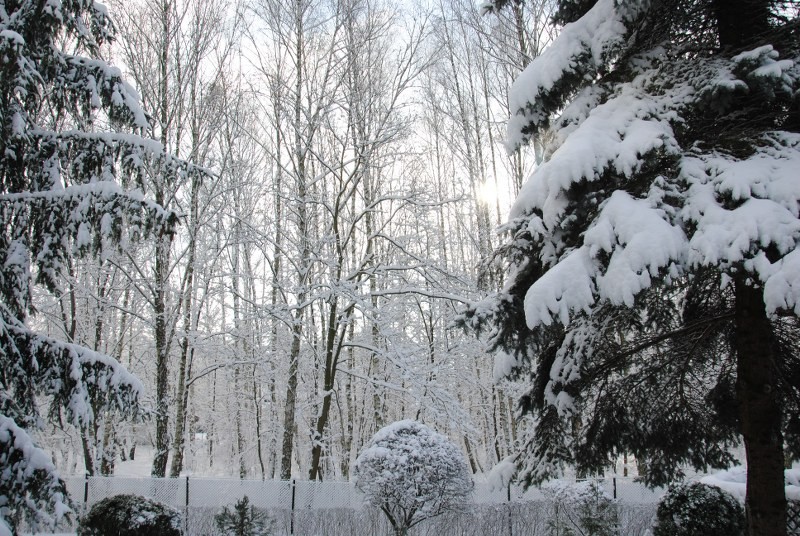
29, 485
77, 380
743, 208
639, 243
97, 85
567, 287
614, 138
580, 50
724, 209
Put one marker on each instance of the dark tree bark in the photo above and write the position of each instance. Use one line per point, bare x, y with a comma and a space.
159, 469
760, 414
740, 23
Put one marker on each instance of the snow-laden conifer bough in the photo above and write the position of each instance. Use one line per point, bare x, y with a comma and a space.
653, 286
71, 158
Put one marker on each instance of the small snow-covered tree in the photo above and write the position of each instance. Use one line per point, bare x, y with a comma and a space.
654, 272
581, 508
412, 474
68, 158
243, 520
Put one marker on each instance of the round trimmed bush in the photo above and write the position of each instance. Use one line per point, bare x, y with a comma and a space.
130, 515
697, 508
412, 474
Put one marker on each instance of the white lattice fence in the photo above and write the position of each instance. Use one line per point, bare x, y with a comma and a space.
337, 508
170, 491
299, 494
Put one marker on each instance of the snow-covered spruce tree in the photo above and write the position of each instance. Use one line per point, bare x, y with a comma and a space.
243, 520
654, 274
66, 167
412, 474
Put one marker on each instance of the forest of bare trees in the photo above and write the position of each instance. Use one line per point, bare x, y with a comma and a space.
355, 180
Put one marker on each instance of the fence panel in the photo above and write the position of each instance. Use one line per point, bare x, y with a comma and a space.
312, 495
171, 491
215, 492
306, 508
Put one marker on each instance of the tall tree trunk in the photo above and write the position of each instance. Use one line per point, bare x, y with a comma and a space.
760, 409
240, 335
257, 403
108, 456
333, 349
349, 418
179, 443
277, 255
760, 414
161, 275
301, 150
315, 471
291, 399
159, 468
239, 426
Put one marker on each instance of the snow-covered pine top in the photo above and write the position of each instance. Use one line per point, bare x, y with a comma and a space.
672, 172
717, 209
32, 34
580, 51
72, 160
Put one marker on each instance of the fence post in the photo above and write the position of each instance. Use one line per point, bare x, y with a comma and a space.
186, 508
615, 488
508, 500
86, 491
558, 521
294, 489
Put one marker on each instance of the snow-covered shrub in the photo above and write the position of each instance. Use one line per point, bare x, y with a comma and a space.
582, 508
697, 508
130, 515
243, 520
412, 473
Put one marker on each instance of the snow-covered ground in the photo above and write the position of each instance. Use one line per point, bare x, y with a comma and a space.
734, 481
138, 467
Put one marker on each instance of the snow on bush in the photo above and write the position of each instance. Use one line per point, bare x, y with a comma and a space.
697, 508
130, 515
412, 473
581, 508
243, 520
